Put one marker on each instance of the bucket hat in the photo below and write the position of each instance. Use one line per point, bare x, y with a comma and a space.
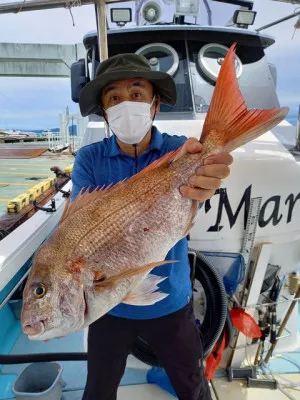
125, 66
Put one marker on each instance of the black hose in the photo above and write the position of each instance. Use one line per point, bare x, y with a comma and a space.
216, 315
41, 357
216, 310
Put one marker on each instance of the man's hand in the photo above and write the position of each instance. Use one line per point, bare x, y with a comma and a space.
209, 177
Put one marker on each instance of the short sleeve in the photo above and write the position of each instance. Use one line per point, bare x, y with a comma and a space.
82, 174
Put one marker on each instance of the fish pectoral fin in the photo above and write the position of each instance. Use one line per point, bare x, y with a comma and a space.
130, 273
144, 294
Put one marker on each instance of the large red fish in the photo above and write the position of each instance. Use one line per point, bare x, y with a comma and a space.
108, 241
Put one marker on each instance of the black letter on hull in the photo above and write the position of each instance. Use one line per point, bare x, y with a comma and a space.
291, 205
274, 217
231, 217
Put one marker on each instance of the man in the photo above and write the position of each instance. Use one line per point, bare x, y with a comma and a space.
127, 93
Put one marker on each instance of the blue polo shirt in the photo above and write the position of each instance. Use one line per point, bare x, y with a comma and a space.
103, 163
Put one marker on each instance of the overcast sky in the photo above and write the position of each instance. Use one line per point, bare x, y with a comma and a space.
36, 102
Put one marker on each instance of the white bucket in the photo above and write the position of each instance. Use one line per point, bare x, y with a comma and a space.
40, 380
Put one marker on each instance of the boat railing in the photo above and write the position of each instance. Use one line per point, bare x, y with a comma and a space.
75, 142
57, 142
13, 290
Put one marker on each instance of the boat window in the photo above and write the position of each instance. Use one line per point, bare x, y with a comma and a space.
168, 57
254, 75
161, 56
210, 59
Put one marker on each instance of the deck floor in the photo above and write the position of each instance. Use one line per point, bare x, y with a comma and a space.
134, 382
225, 391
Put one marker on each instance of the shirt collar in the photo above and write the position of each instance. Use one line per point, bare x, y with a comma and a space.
156, 143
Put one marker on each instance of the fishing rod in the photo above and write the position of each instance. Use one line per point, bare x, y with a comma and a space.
267, 320
265, 330
282, 327
274, 294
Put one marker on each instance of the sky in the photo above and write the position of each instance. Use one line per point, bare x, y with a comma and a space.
35, 103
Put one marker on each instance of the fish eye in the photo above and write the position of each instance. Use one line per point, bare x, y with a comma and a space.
39, 291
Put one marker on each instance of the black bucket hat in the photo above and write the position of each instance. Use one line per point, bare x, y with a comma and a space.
125, 66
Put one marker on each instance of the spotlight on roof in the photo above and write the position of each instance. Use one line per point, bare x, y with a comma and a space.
120, 16
187, 7
244, 18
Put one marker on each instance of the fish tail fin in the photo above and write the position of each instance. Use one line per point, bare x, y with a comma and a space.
229, 124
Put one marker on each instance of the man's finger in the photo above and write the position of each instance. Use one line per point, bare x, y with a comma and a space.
220, 171
204, 182
193, 145
196, 194
222, 158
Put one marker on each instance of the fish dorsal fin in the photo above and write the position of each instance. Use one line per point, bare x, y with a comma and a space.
87, 197
82, 199
63, 217
229, 124
163, 161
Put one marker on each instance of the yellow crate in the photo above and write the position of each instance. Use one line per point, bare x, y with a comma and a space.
42, 186
38, 189
68, 169
34, 192
18, 203
52, 181
46, 185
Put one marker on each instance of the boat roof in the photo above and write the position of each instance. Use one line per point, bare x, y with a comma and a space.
266, 40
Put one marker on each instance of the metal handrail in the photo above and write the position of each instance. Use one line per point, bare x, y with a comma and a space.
295, 14
298, 132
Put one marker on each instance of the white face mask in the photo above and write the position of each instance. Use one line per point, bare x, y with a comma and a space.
130, 120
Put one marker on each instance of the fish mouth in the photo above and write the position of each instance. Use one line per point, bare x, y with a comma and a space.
33, 336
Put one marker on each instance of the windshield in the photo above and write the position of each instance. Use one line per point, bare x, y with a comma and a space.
195, 73
255, 78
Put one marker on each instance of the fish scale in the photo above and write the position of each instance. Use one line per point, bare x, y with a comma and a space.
113, 227
139, 244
